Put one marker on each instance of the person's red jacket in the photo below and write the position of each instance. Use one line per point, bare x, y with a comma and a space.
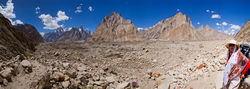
246, 68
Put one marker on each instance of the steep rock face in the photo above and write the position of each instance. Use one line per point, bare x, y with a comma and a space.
30, 31
75, 34
244, 34
52, 36
13, 41
178, 27
210, 34
115, 28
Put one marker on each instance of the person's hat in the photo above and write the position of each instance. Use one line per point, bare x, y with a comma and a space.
232, 42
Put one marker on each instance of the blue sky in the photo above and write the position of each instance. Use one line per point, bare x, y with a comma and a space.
230, 15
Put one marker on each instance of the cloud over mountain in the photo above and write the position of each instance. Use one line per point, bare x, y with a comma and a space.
52, 22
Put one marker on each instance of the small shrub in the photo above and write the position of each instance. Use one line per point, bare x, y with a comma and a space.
135, 85
21, 57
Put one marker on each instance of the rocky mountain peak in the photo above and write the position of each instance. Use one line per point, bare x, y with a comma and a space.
30, 31
12, 41
243, 34
115, 28
60, 29
209, 33
178, 27
182, 18
67, 35
201, 27
115, 14
81, 28
115, 19
207, 26
179, 14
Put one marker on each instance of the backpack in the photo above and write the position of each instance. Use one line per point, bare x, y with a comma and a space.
245, 50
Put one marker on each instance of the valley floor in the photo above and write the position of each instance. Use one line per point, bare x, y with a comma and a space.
149, 64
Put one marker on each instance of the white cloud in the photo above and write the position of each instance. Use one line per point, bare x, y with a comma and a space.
37, 10
16, 22
91, 8
224, 23
230, 32
139, 28
8, 10
212, 12
42, 33
198, 23
218, 24
79, 9
227, 28
216, 16
19, 22
177, 9
207, 10
52, 22
235, 27
61, 16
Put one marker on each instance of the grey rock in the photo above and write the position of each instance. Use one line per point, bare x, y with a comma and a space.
110, 79
71, 73
27, 65
7, 73
82, 68
122, 85
99, 83
65, 65
58, 76
65, 84
5, 82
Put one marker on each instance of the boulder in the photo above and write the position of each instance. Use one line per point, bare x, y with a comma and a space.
110, 79
5, 82
99, 83
122, 85
58, 76
163, 82
65, 84
82, 68
27, 65
84, 80
56, 54
200, 66
7, 73
71, 73
156, 74
65, 65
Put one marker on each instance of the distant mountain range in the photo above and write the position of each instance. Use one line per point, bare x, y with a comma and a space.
21, 39
67, 35
116, 28
176, 28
